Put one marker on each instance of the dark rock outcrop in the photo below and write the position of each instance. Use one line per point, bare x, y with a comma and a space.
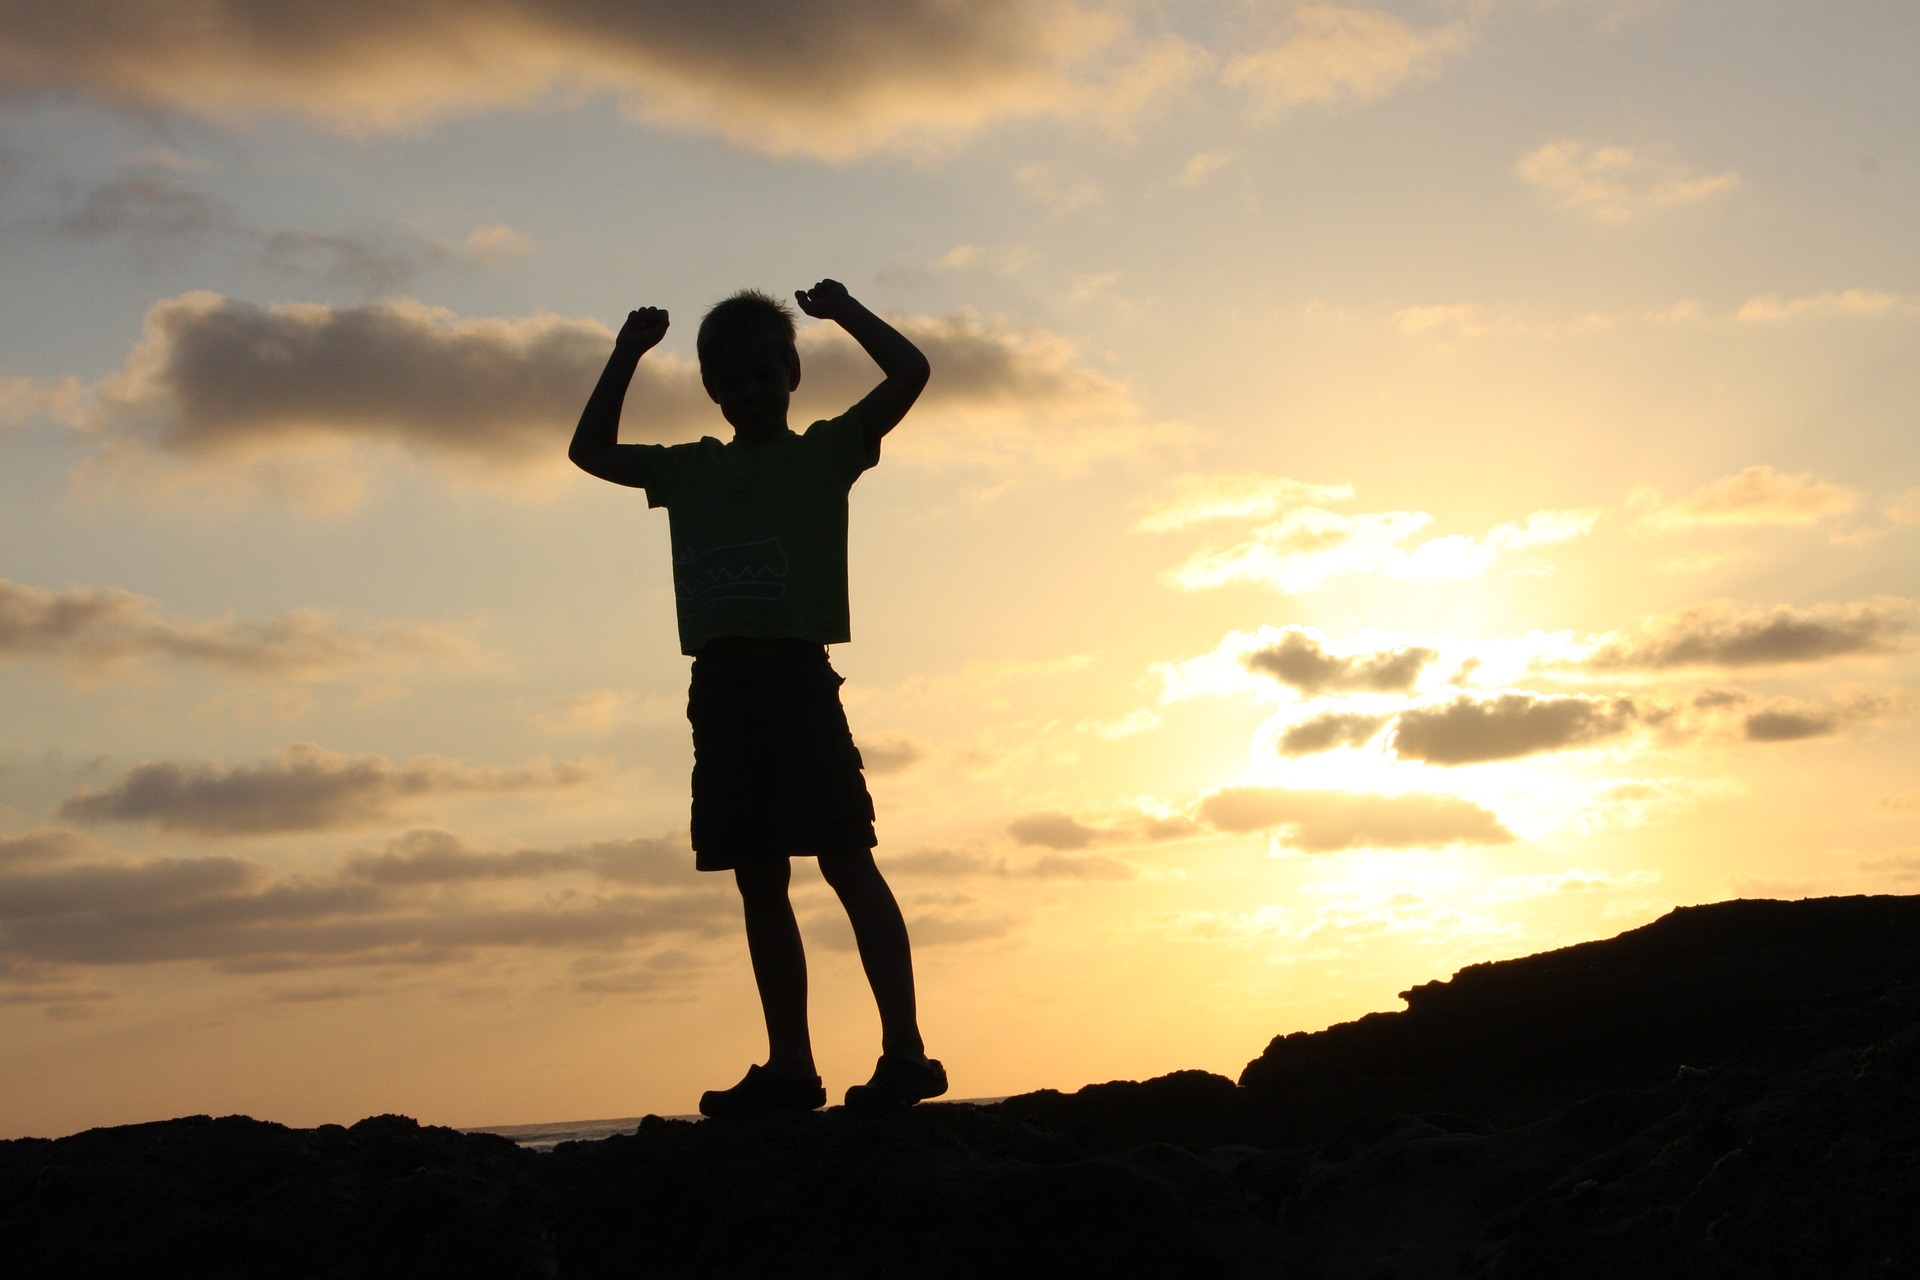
1508, 1039
1732, 1091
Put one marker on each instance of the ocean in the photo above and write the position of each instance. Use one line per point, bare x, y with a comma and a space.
545, 1137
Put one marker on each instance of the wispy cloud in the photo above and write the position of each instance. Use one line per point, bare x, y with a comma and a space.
155, 207
1771, 308
1197, 499
1758, 495
1617, 184
1328, 821
1329, 54
1303, 545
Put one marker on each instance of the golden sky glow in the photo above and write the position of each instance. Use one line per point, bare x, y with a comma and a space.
1402, 485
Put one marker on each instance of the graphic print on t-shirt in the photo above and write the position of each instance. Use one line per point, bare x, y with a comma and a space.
738, 571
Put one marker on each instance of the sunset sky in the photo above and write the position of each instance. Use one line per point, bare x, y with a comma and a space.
1401, 486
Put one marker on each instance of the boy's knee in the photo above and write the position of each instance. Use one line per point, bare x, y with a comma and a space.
844, 870
763, 880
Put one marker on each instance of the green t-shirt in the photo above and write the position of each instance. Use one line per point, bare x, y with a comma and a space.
760, 531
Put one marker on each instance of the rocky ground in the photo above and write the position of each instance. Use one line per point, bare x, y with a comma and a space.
1731, 1091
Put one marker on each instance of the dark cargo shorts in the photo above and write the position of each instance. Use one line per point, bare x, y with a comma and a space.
775, 771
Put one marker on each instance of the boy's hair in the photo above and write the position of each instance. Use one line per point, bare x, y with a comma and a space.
747, 318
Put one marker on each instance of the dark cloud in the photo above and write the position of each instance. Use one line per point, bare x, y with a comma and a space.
98, 628
1052, 831
216, 376
1325, 732
41, 847
246, 916
1327, 821
151, 206
438, 857
1789, 726
1719, 635
305, 788
109, 887
890, 755
156, 209
224, 385
1471, 730
1300, 661
1789, 720
832, 78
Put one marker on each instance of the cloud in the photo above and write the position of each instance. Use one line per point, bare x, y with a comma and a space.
305, 788
1199, 170
216, 381
1616, 184
1306, 546
156, 207
110, 888
1845, 303
828, 79
245, 916
305, 400
1331, 54
41, 847
100, 629
1195, 499
1301, 661
890, 755
1329, 821
1052, 831
1789, 726
1001, 396
1329, 730
428, 857
1757, 496
1722, 635
1785, 720
1900, 802
1471, 730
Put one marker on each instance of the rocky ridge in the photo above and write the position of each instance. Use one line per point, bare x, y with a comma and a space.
1731, 1091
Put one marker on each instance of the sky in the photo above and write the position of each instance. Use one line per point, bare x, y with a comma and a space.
1402, 486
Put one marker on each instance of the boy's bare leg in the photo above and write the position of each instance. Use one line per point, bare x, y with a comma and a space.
779, 966
881, 933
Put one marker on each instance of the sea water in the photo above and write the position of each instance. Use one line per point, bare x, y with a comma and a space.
545, 1137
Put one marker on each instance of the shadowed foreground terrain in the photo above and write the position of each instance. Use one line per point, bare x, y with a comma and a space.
1731, 1091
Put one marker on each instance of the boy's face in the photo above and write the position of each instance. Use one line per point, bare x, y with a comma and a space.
752, 386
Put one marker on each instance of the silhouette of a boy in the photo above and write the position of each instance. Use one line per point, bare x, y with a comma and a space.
759, 530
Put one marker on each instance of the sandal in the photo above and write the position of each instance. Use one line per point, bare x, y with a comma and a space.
898, 1083
761, 1091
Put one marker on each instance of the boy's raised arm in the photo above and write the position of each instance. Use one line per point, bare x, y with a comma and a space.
905, 368
596, 447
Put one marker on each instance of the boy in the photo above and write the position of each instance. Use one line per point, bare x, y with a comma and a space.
759, 529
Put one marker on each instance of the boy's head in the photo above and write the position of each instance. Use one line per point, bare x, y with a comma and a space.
748, 361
